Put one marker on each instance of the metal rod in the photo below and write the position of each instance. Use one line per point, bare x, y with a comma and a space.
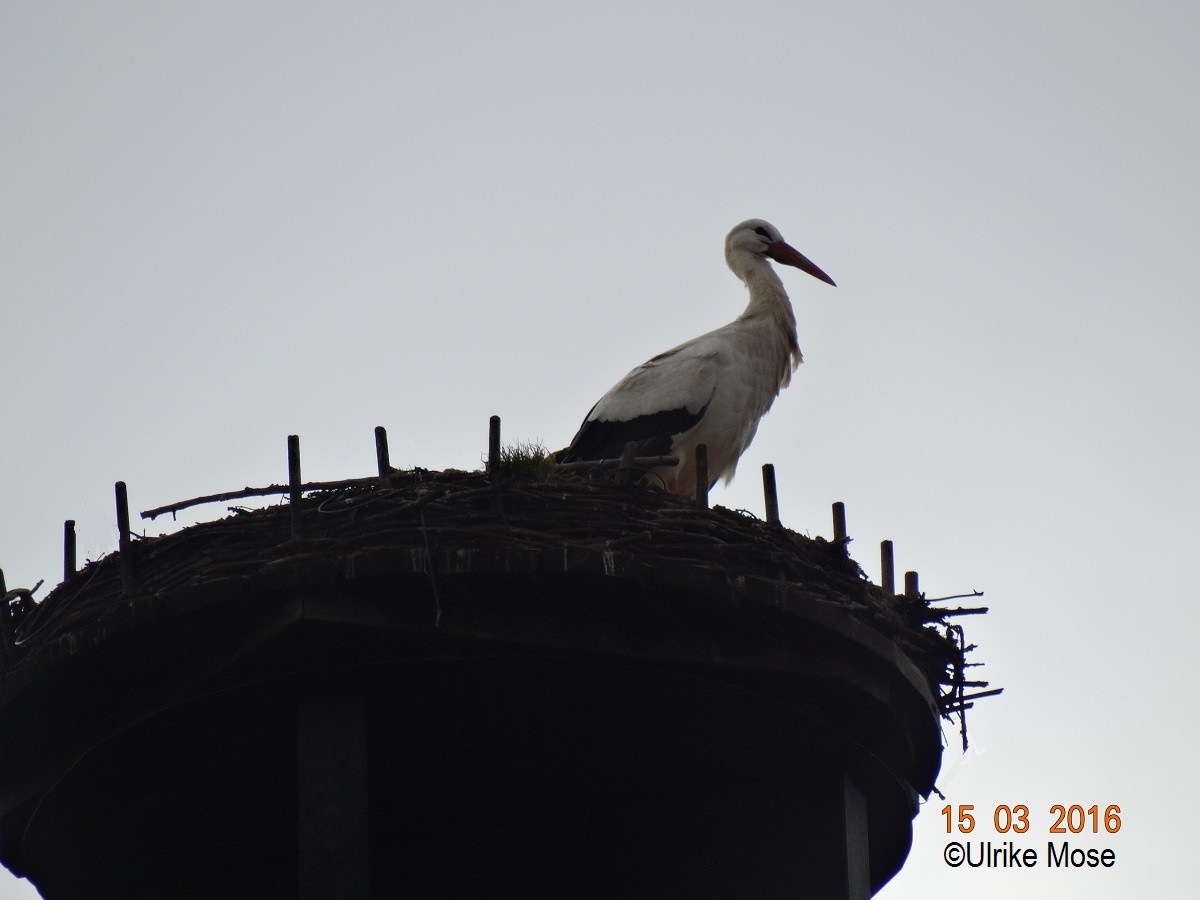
294, 483
68, 548
911, 587
770, 494
887, 568
381, 452
124, 543
3, 586
702, 476
494, 447
640, 462
839, 522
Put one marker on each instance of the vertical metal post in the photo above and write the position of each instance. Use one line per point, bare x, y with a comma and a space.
494, 447
124, 543
334, 833
624, 466
855, 819
294, 485
839, 523
628, 455
3, 586
381, 452
770, 494
702, 476
887, 568
912, 590
68, 548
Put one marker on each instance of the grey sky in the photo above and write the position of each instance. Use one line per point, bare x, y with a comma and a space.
223, 223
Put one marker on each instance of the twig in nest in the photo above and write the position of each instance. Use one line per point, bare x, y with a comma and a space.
953, 597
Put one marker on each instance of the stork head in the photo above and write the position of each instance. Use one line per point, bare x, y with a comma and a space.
755, 239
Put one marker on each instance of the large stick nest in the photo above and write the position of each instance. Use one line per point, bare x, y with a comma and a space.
451, 510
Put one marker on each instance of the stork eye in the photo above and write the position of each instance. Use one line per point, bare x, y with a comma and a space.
762, 231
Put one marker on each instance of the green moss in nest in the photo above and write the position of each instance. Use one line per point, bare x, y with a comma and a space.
526, 459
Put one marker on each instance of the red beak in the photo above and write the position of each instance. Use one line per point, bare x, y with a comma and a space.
790, 256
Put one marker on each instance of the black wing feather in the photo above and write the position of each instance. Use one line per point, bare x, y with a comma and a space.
600, 439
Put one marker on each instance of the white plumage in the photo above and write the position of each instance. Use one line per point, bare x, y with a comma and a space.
713, 389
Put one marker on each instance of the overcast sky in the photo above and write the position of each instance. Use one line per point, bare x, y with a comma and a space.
223, 223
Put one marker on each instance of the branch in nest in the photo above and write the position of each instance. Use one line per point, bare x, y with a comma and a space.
960, 611
965, 699
258, 492
954, 597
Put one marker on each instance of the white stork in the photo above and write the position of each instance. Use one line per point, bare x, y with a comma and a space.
714, 388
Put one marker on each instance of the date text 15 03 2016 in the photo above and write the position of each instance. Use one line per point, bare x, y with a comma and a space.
1073, 819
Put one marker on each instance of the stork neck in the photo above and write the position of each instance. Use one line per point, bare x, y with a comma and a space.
769, 306
766, 289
